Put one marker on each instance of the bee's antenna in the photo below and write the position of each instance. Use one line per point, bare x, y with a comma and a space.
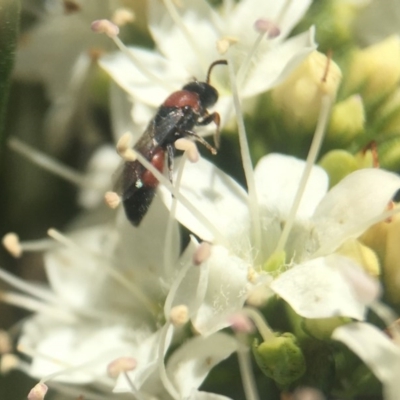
218, 62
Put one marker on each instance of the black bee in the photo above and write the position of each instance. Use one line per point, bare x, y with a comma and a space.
175, 119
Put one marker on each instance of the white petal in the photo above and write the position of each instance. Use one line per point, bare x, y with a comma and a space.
215, 195
191, 289
125, 74
226, 291
191, 363
277, 63
349, 207
197, 395
59, 347
377, 351
277, 179
317, 289
174, 44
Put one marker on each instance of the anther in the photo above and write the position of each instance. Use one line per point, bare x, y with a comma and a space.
120, 365
124, 147
8, 363
202, 253
123, 16
225, 43
105, 26
189, 148
5, 342
12, 244
179, 315
267, 26
71, 6
38, 392
112, 199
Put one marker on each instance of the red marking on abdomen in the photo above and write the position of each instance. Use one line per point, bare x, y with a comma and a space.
183, 98
148, 179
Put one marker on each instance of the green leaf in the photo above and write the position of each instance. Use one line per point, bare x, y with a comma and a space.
9, 23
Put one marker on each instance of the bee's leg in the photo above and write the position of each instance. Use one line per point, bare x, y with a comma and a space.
207, 119
170, 160
198, 138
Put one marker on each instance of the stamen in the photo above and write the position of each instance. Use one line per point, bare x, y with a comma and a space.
225, 43
241, 323
179, 315
120, 365
28, 288
112, 199
246, 161
16, 248
9, 362
323, 119
202, 253
12, 245
105, 26
51, 165
124, 147
169, 262
180, 24
267, 26
104, 262
38, 392
182, 199
259, 321
189, 148
123, 16
5, 342
283, 12
33, 305
165, 332
246, 371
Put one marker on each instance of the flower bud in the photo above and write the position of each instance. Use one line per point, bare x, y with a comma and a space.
391, 263
388, 116
389, 153
363, 255
375, 70
280, 358
338, 164
298, 97
347, 121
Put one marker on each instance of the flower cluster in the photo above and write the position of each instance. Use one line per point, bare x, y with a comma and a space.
292, 264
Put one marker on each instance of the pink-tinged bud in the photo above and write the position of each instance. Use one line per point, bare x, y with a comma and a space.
266, 26
38, 392
105, 26
122, 364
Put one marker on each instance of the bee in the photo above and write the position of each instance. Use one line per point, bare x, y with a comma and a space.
176, 118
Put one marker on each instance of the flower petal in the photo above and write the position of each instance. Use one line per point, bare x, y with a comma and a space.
350, 207
277, 180
226, 291
377, 351
317, 289
215, 195
190, 364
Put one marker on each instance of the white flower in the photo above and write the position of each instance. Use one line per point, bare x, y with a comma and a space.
377, 351
186, 41
314, 286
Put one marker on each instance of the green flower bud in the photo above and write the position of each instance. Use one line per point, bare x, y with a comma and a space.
280, 358
375, 70
389, 153
388, 117
338, 164
322, 328
298, 98
347, 121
